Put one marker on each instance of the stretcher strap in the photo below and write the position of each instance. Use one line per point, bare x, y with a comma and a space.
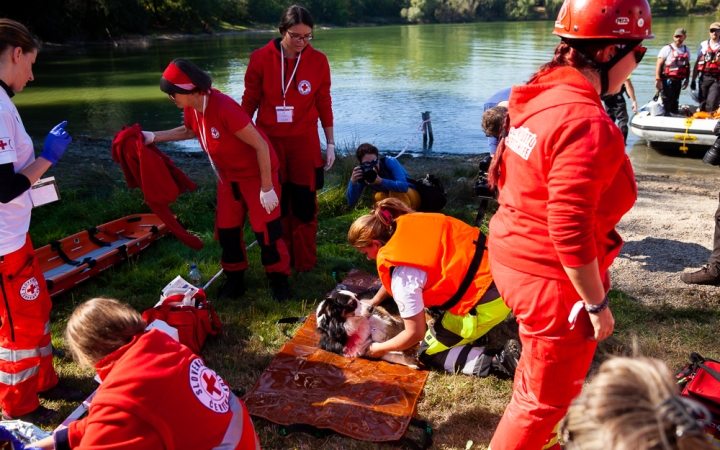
469, 275
91, 234
288, 320
322, 433
480, 218
57, 246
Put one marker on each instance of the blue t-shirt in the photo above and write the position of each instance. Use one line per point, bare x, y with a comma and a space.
500, 96
394, 178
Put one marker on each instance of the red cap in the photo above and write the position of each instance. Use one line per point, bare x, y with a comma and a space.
177, 77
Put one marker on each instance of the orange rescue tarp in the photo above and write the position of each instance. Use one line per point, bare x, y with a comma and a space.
363, 399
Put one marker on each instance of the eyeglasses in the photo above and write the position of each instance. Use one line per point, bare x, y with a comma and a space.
679, 36
300, 38
172, 96
639, 53
714, 30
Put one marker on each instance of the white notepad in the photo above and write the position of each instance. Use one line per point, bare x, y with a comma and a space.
44, 191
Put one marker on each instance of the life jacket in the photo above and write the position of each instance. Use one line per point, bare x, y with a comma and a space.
677, 66
164, 383
441, 246
709, 62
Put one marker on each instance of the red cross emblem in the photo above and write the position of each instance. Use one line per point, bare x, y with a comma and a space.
211, 380
3, 145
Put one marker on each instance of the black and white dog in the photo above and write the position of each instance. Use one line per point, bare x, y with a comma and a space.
348, 326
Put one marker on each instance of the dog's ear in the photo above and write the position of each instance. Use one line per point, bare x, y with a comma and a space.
333, 337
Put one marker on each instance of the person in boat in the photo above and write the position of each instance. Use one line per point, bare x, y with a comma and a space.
390, 178
672, 71
616, 107
246, 166
427, 276
26, 351
500, 98
564, 182
155, 392
707, 66
288, 83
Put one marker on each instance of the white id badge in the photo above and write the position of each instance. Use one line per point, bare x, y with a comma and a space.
284, 113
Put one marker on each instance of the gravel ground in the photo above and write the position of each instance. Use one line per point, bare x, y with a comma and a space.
668, 231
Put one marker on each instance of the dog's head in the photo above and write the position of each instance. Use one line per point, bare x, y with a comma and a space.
332, 313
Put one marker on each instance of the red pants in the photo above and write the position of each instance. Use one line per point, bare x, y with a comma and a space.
25, 342
554, 361
301, 173
235, 201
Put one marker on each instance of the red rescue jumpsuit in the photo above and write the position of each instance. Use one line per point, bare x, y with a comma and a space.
25, 347
297, 143
157, 394
565, 183
239, 186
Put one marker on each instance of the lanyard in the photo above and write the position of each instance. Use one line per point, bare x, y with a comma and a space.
282, 72
203, 136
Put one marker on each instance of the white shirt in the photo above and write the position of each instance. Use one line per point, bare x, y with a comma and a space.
666, 51
707, 45
15, 147
407, 286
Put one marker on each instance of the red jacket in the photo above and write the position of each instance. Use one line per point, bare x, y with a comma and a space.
309, 91
146, 167
157, 394
565, 179
223, 117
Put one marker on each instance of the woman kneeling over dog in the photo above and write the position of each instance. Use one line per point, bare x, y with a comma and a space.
435, 261
155, 392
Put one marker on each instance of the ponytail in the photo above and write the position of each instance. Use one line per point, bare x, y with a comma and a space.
379, 225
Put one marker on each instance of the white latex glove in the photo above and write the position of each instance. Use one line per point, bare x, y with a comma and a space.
269, 200
329, 156
148, 137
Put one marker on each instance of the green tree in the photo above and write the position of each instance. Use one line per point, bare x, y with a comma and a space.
419, 11
520, 9
449, 11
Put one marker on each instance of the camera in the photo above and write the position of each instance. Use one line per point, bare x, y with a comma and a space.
712, 156
482, 187
369, 174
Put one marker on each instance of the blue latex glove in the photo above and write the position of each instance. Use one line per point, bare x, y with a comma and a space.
5, 435
56, 143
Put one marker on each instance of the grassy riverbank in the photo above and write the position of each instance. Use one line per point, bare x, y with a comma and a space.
459, 408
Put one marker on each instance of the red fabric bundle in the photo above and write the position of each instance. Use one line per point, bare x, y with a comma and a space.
146, 167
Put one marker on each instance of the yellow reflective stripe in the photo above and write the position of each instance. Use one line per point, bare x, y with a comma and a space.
45, 351
553, 438
235, 428
17, 355
11, 379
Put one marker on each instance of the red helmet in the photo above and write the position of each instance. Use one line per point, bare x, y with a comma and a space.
604, 19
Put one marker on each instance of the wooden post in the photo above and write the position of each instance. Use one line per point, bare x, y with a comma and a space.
425, 129
429, 129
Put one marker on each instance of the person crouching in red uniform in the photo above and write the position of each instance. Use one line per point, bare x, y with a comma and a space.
564, 183
155, 392
246, 166
288, 83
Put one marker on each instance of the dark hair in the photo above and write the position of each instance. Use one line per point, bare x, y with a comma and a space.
294, 15
492, 120
366, 149
201, 80
580, 54
14, 34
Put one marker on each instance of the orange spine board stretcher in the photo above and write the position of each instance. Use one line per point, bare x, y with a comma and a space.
361, 398
74, 259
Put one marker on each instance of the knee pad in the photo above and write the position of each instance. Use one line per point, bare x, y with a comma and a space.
287, 192
230, 242
274, 230
319, 178
303, 203
269, 254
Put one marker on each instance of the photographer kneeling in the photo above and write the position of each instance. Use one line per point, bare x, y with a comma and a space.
384, 175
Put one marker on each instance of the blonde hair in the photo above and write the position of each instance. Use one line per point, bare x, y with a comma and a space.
100, 326
633, 404
379, 224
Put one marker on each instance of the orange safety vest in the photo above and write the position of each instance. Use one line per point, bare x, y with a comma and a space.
678, 65
709, 62
441, 246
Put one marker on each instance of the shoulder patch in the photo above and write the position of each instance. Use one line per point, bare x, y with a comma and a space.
6, 144
208, 387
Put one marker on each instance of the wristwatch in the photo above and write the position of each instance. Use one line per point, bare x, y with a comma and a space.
595, 309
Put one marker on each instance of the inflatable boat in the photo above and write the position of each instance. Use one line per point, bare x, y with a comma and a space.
74, 259
683, 131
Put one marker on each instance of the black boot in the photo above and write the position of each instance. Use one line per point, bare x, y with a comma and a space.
280, 286
234, 286
507, 360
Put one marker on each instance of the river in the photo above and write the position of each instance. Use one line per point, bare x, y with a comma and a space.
382, 79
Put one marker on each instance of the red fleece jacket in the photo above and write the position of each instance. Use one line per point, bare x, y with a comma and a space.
309, 91
565, 179
146, 167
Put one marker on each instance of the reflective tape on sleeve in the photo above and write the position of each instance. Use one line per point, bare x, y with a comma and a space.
46, 330
17, 355
234, 432
11, 379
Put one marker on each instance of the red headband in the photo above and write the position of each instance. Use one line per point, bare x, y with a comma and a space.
177, 77
388, 217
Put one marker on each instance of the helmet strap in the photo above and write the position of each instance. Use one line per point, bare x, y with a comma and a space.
603, 69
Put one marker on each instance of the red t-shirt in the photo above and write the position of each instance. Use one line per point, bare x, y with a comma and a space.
223, 118
565, 179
